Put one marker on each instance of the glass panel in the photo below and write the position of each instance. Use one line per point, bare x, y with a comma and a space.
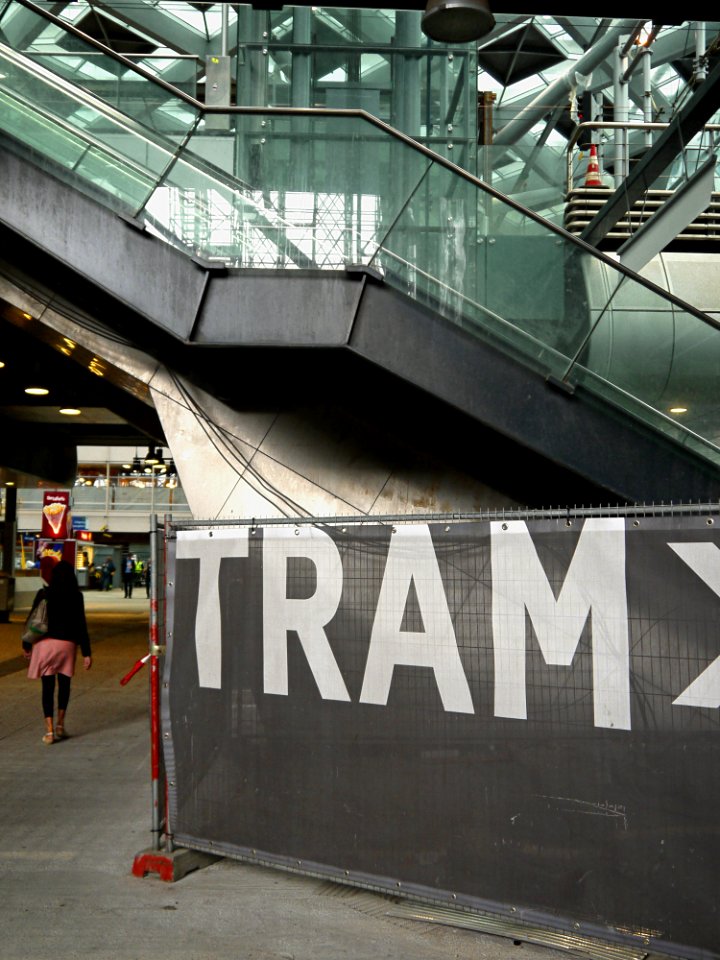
515, 284
307, 191
655, 353
535, 178
112, 82
116, 85
462, 252
98, 150
362, 59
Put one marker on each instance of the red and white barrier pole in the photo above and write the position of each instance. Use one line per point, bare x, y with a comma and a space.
138, 665
155, 689
170, 864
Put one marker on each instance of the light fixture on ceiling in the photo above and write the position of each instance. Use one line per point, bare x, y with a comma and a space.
171, 477
37, 391
645, 35
70, 411
457, 21
678, 409
2, 364
152, 457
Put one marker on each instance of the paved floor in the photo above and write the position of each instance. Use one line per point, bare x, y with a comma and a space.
74, 814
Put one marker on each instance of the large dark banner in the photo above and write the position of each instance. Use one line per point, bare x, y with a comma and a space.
516, 716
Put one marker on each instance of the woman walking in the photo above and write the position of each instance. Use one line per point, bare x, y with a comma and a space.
54, 655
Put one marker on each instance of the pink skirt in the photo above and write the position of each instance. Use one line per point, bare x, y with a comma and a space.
52, 656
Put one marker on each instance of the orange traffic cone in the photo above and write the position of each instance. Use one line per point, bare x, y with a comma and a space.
592, 177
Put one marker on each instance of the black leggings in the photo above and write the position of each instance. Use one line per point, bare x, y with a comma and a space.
48, 693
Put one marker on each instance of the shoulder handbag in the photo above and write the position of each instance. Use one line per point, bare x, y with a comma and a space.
36, 625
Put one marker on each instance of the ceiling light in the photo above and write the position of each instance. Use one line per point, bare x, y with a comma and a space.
457, 21
27, 316
678, 409
2, 364
37, 391
9, 483
70, 411
645, 35
151, 457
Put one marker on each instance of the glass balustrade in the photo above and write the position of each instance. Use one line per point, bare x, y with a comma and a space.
323, 190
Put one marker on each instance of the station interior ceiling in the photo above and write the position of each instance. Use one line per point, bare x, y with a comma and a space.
520, 58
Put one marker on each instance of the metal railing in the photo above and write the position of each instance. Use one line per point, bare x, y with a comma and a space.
593, 125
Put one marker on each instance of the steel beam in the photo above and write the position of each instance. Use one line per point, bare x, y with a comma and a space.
168, 31
671, 219
22, 26
544, 102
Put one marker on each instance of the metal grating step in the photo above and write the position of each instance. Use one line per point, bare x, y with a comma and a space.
584, 203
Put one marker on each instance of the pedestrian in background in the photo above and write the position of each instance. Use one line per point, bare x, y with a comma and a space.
107, 571
128, 575
54, 655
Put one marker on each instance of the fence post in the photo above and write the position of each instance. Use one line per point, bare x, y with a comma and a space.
170, 864
154, 688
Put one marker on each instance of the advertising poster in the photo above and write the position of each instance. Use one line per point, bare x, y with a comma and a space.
56, 519
50, 552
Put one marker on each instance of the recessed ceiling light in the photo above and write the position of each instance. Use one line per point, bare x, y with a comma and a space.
9, 483
28, 316
37, 391
2, 364
70, 411
678, 409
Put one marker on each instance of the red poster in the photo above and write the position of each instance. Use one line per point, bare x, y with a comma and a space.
56, 520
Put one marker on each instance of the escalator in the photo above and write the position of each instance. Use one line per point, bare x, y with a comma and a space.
323, 252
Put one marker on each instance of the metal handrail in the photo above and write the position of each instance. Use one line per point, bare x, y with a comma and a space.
613, 125
414, 145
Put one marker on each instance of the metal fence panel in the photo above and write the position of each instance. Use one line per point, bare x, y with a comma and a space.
519, 716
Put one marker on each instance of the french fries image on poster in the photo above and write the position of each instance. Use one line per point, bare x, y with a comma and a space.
56, 514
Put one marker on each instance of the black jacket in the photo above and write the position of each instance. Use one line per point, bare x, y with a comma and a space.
66, 618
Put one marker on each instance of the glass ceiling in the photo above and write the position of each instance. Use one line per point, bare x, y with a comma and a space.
204, 22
